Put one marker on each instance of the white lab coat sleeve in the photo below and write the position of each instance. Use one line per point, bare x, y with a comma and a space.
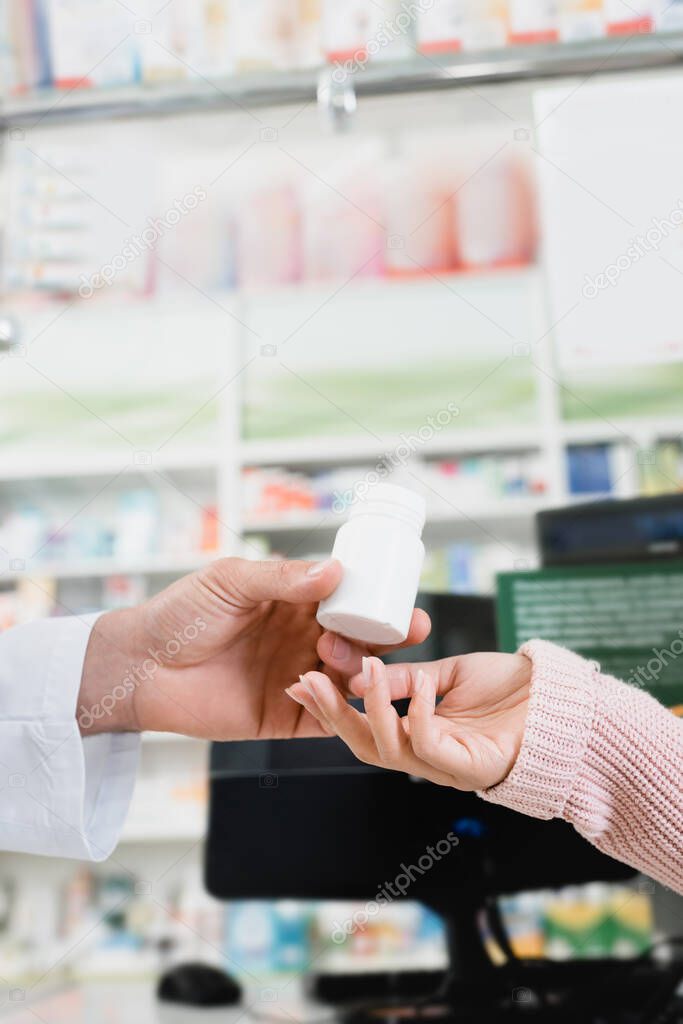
60, 793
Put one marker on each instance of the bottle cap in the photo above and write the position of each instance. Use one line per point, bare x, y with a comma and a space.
396, 502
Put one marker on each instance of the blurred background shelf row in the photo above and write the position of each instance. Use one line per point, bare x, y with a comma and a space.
226, 53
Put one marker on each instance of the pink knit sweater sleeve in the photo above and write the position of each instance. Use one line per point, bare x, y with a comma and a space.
604, 756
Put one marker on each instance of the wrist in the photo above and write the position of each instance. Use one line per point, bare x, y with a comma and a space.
519, 710
106, 697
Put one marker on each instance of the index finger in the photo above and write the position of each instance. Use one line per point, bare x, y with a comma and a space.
323, 700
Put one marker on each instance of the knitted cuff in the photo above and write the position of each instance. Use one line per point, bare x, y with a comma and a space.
561, 709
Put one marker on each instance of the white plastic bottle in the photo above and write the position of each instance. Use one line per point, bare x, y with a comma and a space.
381, 550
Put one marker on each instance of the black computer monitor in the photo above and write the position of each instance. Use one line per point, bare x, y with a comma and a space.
612, 530
305, 819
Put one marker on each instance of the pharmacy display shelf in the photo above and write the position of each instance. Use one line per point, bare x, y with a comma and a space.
355, 449
505, 510
635, 429
447, 71
26, 466
379, 285
94, 568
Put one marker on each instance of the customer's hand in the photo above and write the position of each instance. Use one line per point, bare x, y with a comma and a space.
211, 655
469, 740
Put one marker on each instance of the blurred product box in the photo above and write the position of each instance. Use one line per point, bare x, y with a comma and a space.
626, 17
266, 33
440, 26
595, 921
453, 25
533, 21
485, 25
581, 19
346, 28
74, 31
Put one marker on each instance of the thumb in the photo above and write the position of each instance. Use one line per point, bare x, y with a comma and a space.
246, 583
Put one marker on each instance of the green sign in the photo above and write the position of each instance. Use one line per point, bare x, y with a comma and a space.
627, 617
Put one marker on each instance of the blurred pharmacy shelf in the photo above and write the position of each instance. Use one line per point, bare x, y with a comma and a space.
320, 450
503, 510
28, 466
636, 430
156, 565
417, 74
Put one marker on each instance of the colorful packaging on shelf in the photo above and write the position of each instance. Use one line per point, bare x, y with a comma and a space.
581, 19
346, 28
626, 17
578, 924
533, 21
26, 57
170, 51
633, 922
215, 57
264, 33
342, 232
485, 24
440, 26
81, 35
309, 51
494, 219
523, 918
268, 236
665, 473
418, 202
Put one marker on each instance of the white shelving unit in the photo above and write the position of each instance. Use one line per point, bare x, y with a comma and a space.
97, 568
417, 74
223, 464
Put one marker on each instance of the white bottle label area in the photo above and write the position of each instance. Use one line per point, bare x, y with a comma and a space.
382, 562
533, 21
581, 19
346, 28
486, 24
624, 17
440, 26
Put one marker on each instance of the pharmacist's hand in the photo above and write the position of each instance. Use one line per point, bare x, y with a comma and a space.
469, 740
211, 655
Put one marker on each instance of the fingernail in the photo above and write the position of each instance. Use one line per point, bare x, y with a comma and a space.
309, 686
340, 649
318, 568
419, 680
288, 691
368, 674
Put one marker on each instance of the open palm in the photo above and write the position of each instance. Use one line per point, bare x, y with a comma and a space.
469, 740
